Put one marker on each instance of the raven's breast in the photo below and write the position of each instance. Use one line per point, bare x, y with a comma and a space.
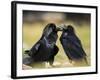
45, 51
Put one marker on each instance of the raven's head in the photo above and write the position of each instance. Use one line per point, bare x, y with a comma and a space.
51, 27
50, 32
69, 28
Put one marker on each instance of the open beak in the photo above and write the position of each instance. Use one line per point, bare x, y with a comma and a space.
62, 27
59, 28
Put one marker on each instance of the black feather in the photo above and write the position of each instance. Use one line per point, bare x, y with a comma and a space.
72, 44
45, 49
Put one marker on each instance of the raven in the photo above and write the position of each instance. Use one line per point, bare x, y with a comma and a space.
72, 44
45, 49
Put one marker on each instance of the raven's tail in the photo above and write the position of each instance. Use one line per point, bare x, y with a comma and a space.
27, 51
27, 60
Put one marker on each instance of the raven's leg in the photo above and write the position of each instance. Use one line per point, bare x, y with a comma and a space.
86, 60
51, 61
55, 51
70, 60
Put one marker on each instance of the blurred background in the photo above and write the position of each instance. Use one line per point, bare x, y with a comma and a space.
35, 21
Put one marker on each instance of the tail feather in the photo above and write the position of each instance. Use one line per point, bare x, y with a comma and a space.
26, 51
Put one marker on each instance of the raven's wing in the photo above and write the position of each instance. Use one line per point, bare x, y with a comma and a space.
31, 53
73, 47
34, 49
46, 52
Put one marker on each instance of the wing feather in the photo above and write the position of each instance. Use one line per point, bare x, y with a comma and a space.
73, 47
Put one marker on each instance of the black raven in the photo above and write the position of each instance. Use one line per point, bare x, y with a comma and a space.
45, 49
71, 44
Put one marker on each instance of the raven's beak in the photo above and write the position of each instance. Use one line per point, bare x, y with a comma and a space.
63, 26
59, 28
